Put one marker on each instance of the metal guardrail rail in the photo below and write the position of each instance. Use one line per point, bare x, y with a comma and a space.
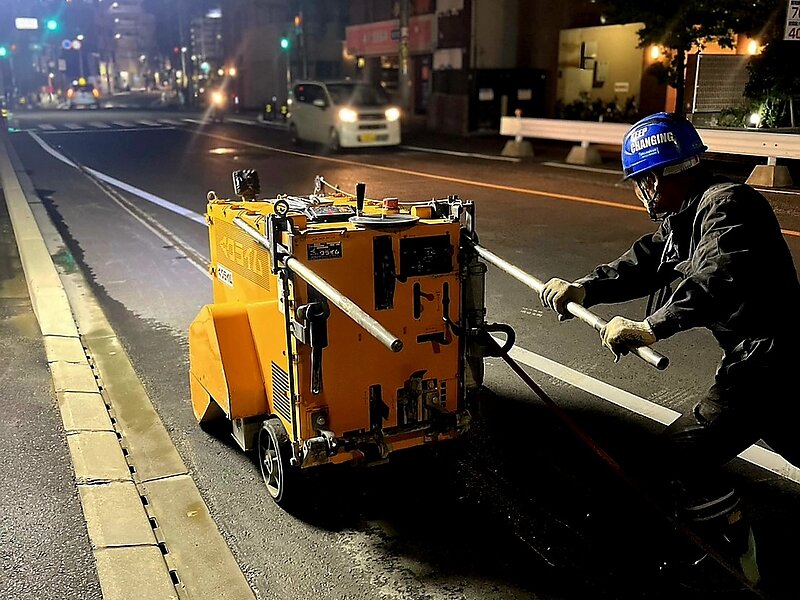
723, 141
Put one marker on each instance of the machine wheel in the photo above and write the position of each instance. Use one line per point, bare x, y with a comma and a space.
295, 139
333, 141
274, 452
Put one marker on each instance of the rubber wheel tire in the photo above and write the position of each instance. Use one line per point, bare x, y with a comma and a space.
274, 454
295, 139
333, 141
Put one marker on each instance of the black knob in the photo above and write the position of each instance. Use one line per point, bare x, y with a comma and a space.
361, 192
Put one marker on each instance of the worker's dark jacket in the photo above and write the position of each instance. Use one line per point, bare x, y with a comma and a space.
734, 275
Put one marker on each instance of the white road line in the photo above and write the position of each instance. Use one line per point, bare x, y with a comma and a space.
582, 168
99, 125
169, 122
123, 123
148, 123
199, 122
756, 455
170, 206
46, 127
240, 121
109, 130
73, 126
462, 154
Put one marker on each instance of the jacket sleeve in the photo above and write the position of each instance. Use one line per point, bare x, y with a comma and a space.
632, 275
720, 272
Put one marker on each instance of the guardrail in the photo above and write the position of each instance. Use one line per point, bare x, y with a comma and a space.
771, 146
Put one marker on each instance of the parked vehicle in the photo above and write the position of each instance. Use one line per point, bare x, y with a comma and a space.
343, 114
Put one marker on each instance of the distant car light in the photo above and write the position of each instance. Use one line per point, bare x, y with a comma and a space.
95, 93
70, 92
392, 114
348, 115
218, 98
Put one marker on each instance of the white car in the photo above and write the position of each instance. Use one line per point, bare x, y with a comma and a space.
83, 95
342, 114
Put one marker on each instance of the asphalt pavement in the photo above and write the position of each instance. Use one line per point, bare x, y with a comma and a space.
33, 561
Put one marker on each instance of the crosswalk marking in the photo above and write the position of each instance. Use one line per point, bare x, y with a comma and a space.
99, 125
123, 123
73, 126
148, 123
46, 127
170, 122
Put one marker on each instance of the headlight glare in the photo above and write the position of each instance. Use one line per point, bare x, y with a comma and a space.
392, 114
348, 115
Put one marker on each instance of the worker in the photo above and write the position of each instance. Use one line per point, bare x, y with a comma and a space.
719, 244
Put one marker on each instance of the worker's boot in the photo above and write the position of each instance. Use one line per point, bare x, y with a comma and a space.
721, 525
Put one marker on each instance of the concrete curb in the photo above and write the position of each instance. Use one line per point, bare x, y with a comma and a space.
120, 449
97, 456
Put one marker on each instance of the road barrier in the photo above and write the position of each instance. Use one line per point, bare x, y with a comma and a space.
771, 146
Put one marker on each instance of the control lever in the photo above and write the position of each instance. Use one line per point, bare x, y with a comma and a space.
361, 193
316, 316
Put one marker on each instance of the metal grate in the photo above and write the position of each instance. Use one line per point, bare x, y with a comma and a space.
281, 401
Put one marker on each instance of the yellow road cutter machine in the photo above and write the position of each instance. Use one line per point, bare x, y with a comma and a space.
342, 329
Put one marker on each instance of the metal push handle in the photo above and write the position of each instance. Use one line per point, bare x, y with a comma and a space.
348, 307
647, 354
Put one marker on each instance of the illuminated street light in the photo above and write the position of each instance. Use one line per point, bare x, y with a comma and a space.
232, 72
79, 37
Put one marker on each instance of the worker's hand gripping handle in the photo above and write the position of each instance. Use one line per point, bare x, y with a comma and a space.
648, 355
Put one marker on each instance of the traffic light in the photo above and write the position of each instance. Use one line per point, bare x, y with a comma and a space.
3, 51
51, 25
285, 44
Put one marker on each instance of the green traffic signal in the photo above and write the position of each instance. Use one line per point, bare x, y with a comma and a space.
3, 51
285, 43
51, 24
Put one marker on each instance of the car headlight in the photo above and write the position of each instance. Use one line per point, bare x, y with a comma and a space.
348, 115
392, 114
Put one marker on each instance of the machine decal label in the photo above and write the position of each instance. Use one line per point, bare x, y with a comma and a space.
224, 275
324, 250
242, 256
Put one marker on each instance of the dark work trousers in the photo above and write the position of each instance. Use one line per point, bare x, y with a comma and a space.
723, 424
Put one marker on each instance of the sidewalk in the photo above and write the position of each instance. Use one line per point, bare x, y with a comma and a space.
44, 543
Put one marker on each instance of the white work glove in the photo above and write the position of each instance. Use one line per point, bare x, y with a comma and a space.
557, 293
620, 335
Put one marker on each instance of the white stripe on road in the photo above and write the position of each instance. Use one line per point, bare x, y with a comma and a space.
240, 121
170, 206
109, 130
169, 122
99, 125
46, 127
148, 123
462, 154
123, 123
756, 455
73, 126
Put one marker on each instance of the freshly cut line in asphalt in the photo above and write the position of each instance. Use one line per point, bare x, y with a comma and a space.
755, 455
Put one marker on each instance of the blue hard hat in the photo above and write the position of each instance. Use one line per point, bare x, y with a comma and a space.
660, 140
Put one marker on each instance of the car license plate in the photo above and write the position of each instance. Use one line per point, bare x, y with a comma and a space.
367, 137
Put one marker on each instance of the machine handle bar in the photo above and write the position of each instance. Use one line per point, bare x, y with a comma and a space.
348, 307
648, 355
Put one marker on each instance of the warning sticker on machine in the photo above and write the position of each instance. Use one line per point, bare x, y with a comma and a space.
224, 275
324, 250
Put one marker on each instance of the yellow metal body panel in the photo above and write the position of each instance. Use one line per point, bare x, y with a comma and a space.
224, 363
248, 324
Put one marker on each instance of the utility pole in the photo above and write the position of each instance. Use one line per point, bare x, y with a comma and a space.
404, 79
